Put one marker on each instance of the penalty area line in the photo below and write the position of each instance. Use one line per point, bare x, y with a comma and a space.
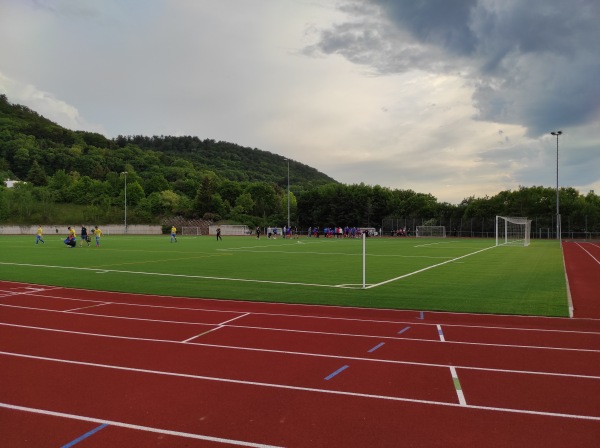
428, 268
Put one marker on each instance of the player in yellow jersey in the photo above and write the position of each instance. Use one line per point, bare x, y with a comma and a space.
173, 234
38, 235
98, 234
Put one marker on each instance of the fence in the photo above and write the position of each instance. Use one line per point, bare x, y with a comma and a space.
541, 227
61, 229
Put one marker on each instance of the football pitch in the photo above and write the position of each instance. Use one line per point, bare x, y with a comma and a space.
443, 274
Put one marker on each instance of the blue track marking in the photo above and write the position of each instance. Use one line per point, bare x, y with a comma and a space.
340, 370
403, 330
85, 436
421, 315
376, 347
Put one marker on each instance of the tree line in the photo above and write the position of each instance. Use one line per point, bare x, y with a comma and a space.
82, 176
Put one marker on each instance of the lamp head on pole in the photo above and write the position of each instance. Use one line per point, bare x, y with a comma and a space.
557, 133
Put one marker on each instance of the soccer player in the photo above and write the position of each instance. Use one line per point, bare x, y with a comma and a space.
173, 234
38, 236
98, 234
71, 240
84, 236
219, 234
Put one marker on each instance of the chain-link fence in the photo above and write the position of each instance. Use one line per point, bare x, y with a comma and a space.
541, 227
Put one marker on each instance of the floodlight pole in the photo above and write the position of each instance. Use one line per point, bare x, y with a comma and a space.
288, 194
125, 173
558, 236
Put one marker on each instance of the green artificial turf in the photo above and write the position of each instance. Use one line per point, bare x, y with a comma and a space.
463, 275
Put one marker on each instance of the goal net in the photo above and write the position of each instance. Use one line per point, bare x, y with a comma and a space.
191, 231
512, 231
430, 232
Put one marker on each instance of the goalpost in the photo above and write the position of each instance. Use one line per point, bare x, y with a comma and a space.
431, 231
512, 231
191, 231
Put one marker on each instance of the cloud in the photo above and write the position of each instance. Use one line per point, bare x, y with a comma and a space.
450, 97
533, 63
46, 104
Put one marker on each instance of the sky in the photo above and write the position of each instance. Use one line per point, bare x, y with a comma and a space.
456, 98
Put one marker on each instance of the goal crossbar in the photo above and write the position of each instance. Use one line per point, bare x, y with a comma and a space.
512, 231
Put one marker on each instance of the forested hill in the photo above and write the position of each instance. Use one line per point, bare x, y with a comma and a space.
231, 161
27, 138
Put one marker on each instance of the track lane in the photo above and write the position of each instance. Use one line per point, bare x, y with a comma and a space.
514, 390
534, 359
278, 417
315, 311
419, 382
78, 322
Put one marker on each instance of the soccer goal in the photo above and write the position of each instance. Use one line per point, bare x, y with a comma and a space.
512, 231
191, 231
230, 229
430, 232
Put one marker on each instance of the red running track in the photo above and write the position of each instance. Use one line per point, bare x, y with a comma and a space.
165, 371
582, 263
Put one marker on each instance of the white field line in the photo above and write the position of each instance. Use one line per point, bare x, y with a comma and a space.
162, 274
299, 388
342, 286
136, 427
428, 268
296, 353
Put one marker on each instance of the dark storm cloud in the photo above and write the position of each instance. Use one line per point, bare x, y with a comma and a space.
534, 63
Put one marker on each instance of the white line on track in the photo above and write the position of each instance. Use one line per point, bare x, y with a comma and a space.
235, 318
72, 310
250, 327
457, 386
136, 427
313, 306
587, 252
304, 389
295, 353
349, 319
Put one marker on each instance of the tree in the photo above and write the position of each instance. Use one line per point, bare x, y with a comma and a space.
37, 175
244, 203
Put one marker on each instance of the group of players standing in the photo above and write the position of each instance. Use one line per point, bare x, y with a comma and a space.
71, 239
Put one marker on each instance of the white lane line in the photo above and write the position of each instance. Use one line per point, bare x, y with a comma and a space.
440, 333
304, 389
333, 318
136, 427
235, 318
314, 307
459, 392
316, 355
249, 327
221, 325
589, 253
202, 334
72, 310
